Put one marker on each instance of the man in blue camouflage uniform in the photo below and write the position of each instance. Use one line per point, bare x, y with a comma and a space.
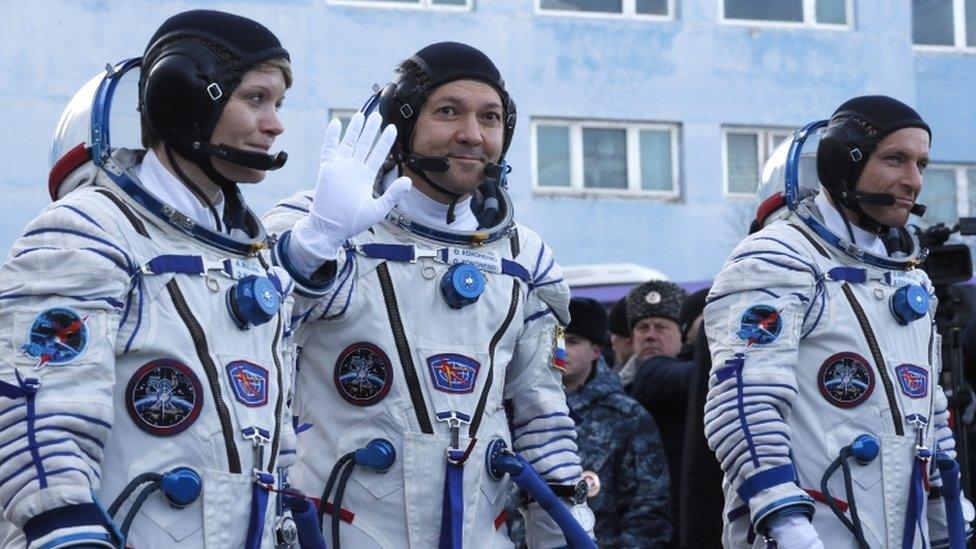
618, 441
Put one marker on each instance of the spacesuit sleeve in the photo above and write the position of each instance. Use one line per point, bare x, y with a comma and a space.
766, 299
63, 294
542, 430
323, 288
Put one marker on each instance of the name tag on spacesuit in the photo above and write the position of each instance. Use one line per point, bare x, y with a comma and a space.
485, 261
239, 268
899, 279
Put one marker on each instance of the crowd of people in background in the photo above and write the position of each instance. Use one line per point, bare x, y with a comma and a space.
636, 379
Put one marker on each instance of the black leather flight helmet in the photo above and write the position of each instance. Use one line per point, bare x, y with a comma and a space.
192, 65
400, 102
851, 136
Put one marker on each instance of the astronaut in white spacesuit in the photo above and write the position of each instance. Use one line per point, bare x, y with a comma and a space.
824, 406
422, 319
145, 356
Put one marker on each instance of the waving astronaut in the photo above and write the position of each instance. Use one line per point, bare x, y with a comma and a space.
426, 308
824, 405
146, 355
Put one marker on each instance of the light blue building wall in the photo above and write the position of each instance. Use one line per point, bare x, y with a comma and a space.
691, 69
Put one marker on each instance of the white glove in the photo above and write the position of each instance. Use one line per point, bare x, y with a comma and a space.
794, 532
344, 205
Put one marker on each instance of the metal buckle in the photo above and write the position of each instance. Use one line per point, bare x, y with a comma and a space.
214, 91
454, 420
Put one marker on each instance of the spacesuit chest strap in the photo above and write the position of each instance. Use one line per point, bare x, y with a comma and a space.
486, 261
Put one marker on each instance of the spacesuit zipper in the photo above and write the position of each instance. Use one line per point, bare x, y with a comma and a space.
200, 342
277, 433
878, 358
403, 350
482, 401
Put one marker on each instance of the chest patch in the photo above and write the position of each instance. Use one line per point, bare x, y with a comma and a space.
164, 397
56, 337
845, 380
914, 380
453, 373
250, 383
760, 325
363, 374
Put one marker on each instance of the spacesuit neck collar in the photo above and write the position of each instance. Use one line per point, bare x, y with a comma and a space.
156, 179
122, 168
414, 216
835, 222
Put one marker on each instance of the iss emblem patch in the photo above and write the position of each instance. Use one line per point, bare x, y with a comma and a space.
363, 374
845, 380
250, 383
452, 373
914, 380
760, 325
164, 397
56, 337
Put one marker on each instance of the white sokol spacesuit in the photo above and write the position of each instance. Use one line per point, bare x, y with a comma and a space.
138, 340
421, 335
812, 348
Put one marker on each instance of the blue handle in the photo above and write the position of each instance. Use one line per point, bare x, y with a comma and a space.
949, 470
533, 484
378, 455
307, 523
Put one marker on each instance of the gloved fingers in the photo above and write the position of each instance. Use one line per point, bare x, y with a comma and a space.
353, 130
399, 187
382, 149
331, 143
367, 137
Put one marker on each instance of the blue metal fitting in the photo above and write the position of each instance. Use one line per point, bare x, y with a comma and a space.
462, 285
378, 455
909, 303
253, 300
865, 448
181, 486
495, 448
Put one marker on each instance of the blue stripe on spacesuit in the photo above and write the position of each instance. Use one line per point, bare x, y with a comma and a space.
543, 444
543, 416
540, 314
31, 439
734, 455
552, 261
734, 431
780, 242
550, 453
559, 466
42, 445
735, 397
132, 336
81, 213
345, 274
553, 430
89, 419
51, 473
128, 260
546, 283
562, 480
765, 479
778, 264
111, 301
101, 253
823, 305
763, 456
538, 261
291, 207
810, 266
745, 426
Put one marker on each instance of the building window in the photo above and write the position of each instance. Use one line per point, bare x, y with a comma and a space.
635, 8
744, 152
948, 192
433, 4
590, 157
944, 23
830, 13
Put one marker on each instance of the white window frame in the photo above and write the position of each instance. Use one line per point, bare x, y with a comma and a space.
958, 32
767, 145
576, 172
809, 18
418, 5
628, 11
962, 185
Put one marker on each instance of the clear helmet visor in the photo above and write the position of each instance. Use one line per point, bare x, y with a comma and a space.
792, 168
114, 96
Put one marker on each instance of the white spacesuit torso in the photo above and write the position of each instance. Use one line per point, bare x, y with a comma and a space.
383, 355
808, 354
139, 368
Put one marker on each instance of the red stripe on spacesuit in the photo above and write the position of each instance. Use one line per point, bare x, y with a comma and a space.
71, 161
344, 514
842, 505
500, 519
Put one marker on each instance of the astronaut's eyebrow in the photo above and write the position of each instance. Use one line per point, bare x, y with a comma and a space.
465, 102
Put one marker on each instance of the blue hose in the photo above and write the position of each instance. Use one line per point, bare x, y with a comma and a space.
306, 521
951, 495
529, 480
